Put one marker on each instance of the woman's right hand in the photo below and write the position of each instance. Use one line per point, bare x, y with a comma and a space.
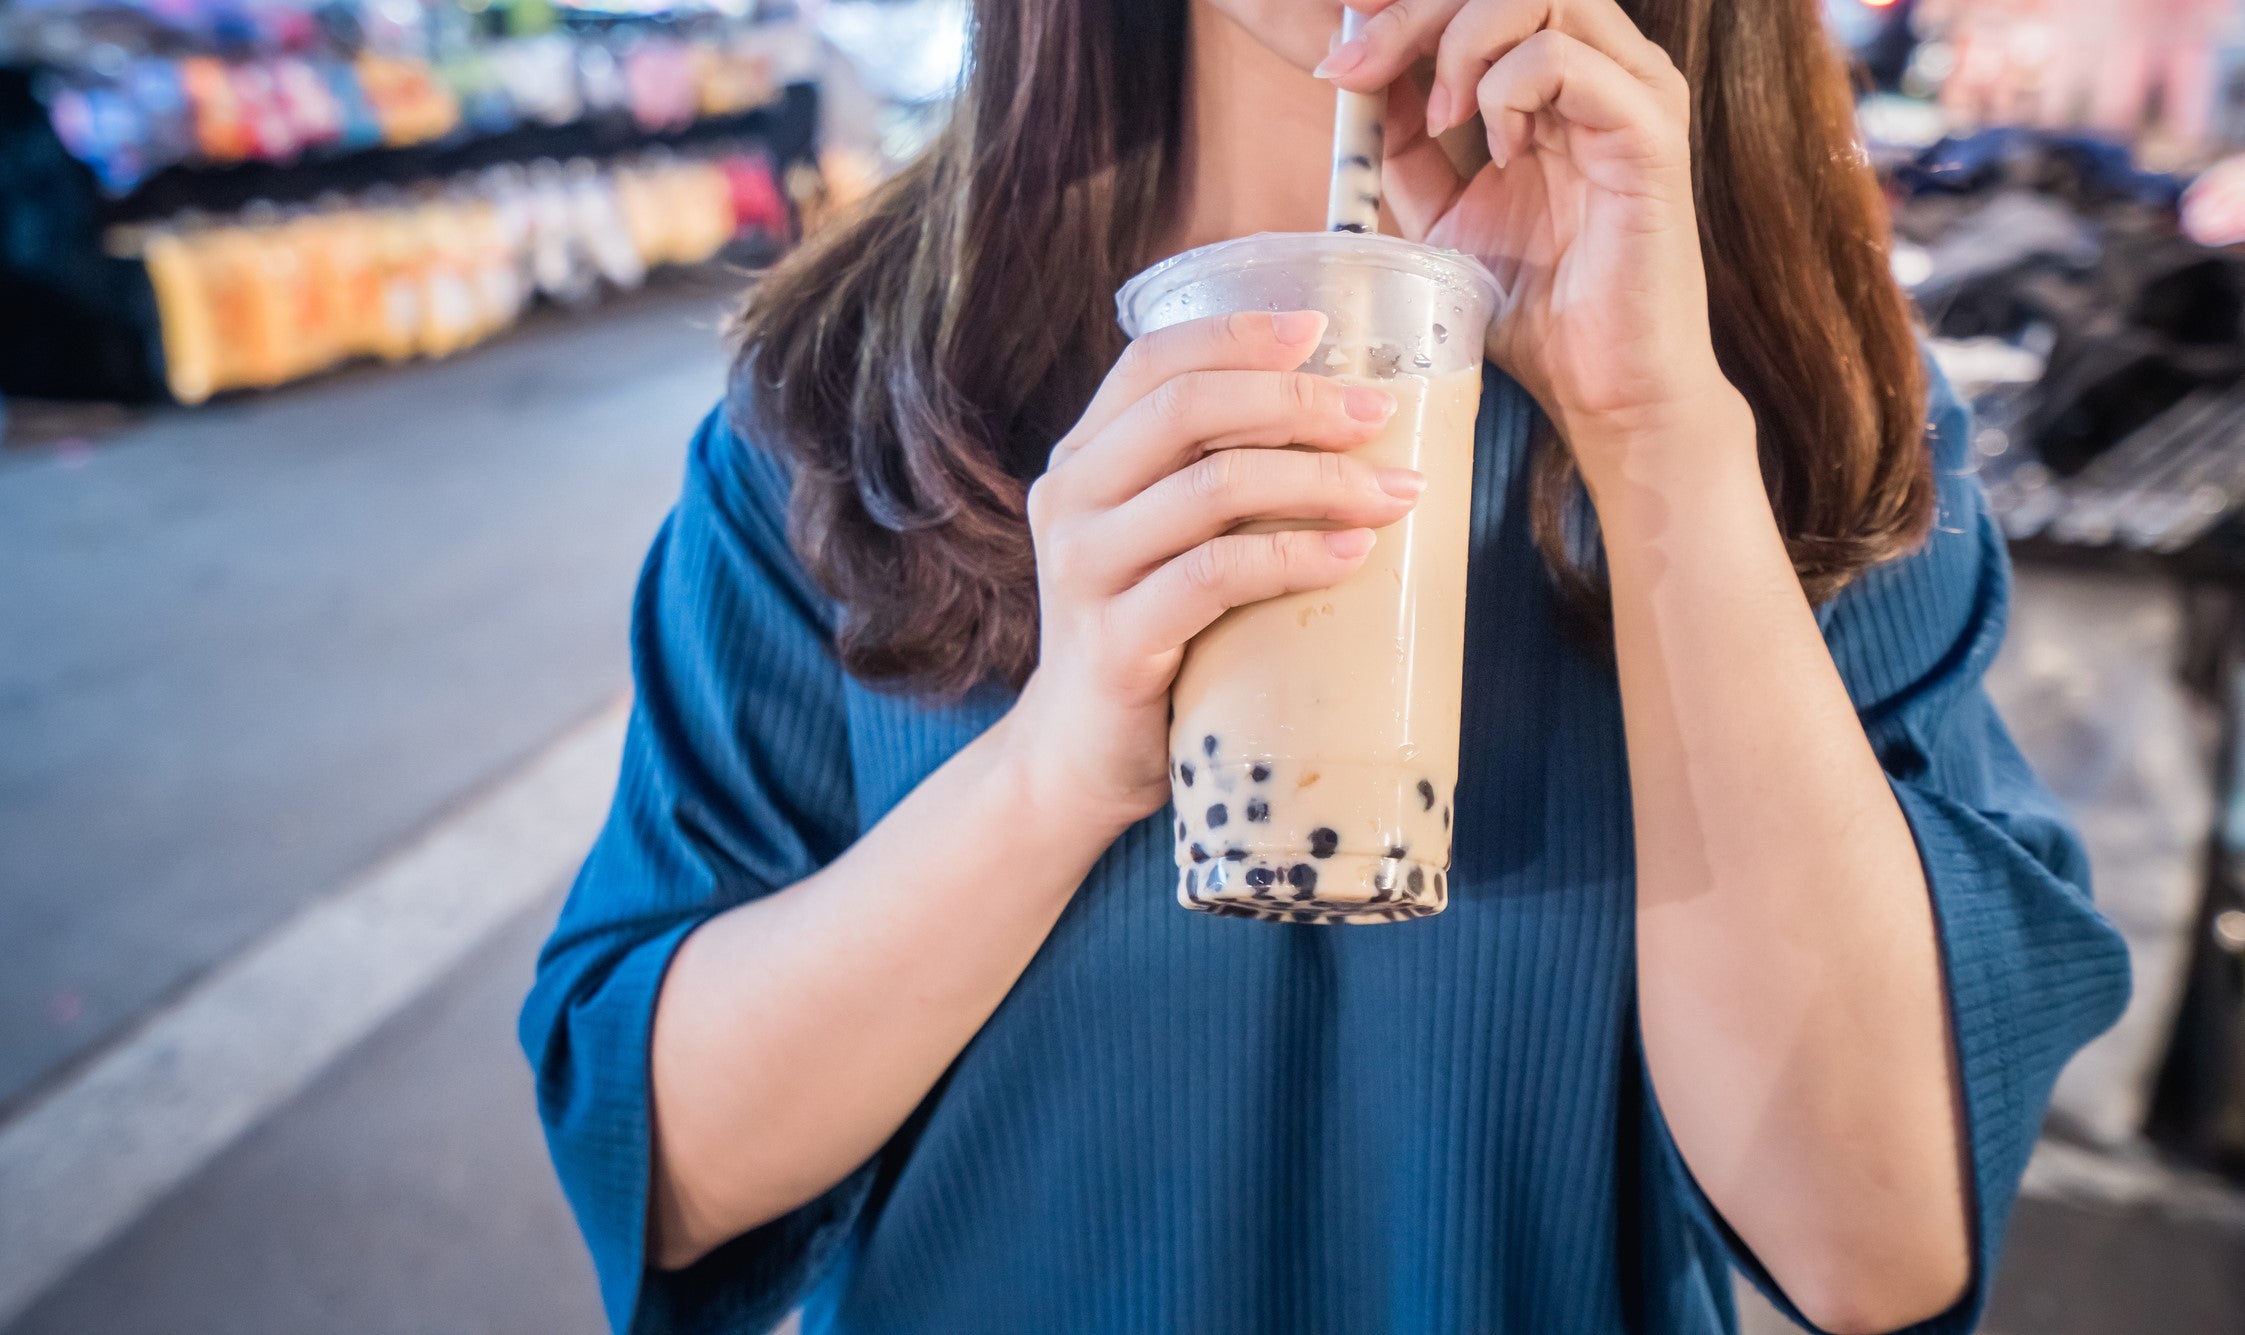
1134, 525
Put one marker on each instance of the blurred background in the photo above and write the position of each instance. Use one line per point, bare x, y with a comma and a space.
348, 353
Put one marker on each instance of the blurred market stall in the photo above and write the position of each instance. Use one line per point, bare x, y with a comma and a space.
203, 195
2067, 212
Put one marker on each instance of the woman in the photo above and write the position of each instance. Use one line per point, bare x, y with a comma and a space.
1763, 945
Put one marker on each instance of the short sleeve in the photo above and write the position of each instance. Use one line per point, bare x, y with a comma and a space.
2032, 971
735, 783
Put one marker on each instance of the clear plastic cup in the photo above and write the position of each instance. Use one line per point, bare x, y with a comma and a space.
1314, 737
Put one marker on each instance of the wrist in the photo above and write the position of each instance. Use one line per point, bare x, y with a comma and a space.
1691, 446
1035, 785
1686, 500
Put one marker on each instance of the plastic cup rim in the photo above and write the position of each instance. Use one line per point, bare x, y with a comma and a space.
1374, 249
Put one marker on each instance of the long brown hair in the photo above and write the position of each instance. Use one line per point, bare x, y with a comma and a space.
915, 361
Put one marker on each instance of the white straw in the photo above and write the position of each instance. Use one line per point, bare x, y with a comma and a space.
1353, 203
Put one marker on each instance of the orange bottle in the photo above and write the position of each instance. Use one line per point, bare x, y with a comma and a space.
183, 315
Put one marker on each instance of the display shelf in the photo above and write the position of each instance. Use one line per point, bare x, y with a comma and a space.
785, 129
79, 319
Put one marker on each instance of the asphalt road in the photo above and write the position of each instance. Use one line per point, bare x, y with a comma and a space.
245, 649
405, 1193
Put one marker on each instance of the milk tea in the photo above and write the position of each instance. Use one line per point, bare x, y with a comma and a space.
1314, 737
1314, 742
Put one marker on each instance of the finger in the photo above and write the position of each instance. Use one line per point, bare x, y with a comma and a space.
1202, 411
1554, 72
1241, 341
1396, 33
1223, 490
1418, 179
1485, 31
1178, 600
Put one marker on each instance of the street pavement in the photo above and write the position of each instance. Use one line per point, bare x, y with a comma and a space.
406, 1193
247, 651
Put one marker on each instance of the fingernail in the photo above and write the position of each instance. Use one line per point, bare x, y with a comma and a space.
1438, 110
1402, 483
1345, 57
1349, 543
1366, 404
1510, 138
1297, 326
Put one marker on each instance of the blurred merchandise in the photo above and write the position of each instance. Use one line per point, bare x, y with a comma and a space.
266, 296
411, 104
174, 173
2165, 76
136, 86
2058, 256
2139, 69
2092, 311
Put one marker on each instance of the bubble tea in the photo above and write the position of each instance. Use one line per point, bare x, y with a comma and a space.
1314, 737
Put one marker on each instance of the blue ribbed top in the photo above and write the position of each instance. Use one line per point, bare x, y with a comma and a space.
1181, 1123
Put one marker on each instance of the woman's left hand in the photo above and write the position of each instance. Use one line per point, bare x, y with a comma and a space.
1584, 212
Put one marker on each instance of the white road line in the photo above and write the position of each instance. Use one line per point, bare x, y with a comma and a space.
91, 1155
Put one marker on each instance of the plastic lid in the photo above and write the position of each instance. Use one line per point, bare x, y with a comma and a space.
1135, 300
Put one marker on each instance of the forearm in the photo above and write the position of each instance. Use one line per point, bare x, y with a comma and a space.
796, 1032
1788, 970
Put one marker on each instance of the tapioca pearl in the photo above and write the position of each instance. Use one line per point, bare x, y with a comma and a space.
1259, 773
1185, 772
1426, 795
1301, 915
1445, 815
1418, 881
1208, 746
1257, 810
1397, 851
1302, 876
1218, 816
1323, 842
1180, 827
1198, 853
1441, 883
1218, 876
1192, 880
1261, 877
1235, 854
